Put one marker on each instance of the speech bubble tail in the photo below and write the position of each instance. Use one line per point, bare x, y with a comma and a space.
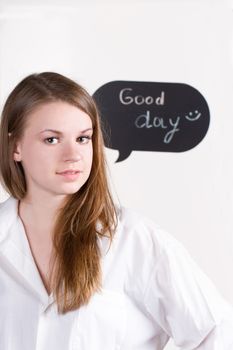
122, 156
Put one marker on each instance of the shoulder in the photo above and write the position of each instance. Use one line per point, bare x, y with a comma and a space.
140, 248
8, 213
141, 243
133, 225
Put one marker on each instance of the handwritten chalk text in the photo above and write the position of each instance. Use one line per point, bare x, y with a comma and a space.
126, 99
172, 125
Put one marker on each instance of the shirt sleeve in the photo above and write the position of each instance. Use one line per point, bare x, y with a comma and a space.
185, 303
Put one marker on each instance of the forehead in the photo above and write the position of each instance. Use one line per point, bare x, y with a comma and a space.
58, 113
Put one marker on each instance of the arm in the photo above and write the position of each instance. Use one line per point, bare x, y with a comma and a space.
185, 303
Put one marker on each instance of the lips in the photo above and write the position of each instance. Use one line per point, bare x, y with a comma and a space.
69, 172
69, 175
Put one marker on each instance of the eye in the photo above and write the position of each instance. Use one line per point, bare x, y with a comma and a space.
84, 139
51, 140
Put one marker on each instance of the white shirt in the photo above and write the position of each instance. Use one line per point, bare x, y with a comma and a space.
152, 290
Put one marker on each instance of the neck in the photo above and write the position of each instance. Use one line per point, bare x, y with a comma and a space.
39, 212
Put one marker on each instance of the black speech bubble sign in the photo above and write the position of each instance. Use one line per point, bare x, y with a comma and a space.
151, 116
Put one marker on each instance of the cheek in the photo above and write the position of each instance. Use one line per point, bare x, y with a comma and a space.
91, 157
88, 155
28, 157
34, 158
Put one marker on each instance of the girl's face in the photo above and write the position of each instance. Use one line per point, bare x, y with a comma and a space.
56, 149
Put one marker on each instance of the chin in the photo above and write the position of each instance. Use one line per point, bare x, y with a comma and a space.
73, 190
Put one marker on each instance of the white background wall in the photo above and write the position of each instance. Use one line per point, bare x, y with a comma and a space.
190, 194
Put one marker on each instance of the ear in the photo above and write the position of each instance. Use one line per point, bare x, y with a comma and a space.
17, 153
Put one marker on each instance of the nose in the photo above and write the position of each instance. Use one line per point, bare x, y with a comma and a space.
71, 152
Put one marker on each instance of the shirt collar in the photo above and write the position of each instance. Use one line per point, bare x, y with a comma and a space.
8, 215
15, 249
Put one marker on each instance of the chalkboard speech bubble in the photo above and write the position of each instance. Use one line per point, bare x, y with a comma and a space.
151, 116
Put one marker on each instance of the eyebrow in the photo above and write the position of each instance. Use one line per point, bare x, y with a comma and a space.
60, 133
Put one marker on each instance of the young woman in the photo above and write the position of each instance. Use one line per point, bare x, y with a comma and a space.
75, 271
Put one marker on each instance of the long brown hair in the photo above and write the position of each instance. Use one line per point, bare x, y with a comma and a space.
86, 215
